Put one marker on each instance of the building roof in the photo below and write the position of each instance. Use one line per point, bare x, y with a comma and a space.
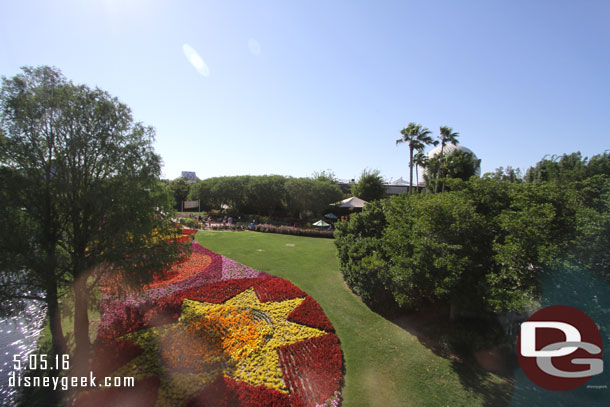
353, 202
189, 175
449, 148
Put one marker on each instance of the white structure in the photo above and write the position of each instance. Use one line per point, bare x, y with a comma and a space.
397, 187
353, 202
190, 177
450, 148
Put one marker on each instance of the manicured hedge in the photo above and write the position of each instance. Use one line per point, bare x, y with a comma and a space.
288, 230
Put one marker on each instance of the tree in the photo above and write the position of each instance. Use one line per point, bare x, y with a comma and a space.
325, 175
417, 137
447, 136
506, 174
308, 197
458, 165
370, 186
265, 195
180, 190
85, 193
420, 160
360, 251
480, 247
568, 168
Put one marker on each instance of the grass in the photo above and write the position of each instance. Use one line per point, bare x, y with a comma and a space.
385, 365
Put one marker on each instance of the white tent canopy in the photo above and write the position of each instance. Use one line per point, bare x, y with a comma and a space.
353, 202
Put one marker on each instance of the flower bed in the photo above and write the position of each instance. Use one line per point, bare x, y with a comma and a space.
213, 332
289, 230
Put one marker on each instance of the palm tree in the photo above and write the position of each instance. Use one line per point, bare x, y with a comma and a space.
417, 137
448, 136
420, 160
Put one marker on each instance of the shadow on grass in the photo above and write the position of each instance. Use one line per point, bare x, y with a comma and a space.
477, 348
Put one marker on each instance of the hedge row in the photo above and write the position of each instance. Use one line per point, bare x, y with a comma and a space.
288, 230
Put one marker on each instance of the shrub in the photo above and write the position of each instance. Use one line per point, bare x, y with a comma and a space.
289, 230
190, 222
362, 256
479, 248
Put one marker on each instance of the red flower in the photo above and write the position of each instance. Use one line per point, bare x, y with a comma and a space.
226, 392
310, 313
313, 369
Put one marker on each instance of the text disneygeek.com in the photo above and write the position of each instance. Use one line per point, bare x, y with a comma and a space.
34, 362
65, 382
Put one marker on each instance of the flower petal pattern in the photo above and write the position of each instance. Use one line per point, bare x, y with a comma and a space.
213, 332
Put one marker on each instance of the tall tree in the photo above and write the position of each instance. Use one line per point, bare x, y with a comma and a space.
180, 189
102, 208
458, 164
447, 136
31, 220
420, 160
370, 186
417, 137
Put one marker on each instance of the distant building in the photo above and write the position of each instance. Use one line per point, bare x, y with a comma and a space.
397, 187
450, 148
400, 186
345, 185
190, 177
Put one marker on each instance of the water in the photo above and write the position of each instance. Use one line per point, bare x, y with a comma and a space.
18, 336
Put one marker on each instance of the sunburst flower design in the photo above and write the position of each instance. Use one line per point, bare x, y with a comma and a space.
226, 336
238, 338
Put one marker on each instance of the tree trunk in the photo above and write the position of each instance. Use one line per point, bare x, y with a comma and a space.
438, 172
410, 169
54, 314
453, 311
81, 324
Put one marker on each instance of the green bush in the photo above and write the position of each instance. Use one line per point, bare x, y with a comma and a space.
267, 195
479, 248
233, 227
189, 222
361, 253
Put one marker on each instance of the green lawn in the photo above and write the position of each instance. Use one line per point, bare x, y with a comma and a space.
385, 365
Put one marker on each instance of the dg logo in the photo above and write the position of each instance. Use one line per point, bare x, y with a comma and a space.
560, 348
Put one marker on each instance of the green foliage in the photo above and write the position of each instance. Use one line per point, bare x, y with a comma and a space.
268, 195
265, 195
569, 168
589, 181
506, 174
326, 175
593, 225
458, 164
218, 191
372, 345
309, 198
83, 191
288, 230
180, 190
417, 137
190, 222
480, 247
370, 186
361, 254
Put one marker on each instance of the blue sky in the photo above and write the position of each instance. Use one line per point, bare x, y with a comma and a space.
296, 87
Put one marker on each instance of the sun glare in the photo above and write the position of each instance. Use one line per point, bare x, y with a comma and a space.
195, 60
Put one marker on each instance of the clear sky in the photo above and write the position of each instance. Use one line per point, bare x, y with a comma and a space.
293, 87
